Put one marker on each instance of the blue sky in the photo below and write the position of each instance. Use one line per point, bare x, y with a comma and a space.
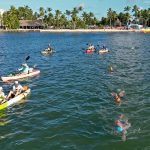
98, 7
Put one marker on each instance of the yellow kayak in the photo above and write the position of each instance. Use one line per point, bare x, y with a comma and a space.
146, 30
15, 99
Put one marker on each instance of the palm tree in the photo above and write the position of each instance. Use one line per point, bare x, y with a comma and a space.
1, 20
80, 8
68, 13
49, 10
41, 12
35, 16
57, 17
85, 16
110, 15
145, 15
10, 18
127, 9
136, 12
114, 16
74, 16
63, 21
49, 18
28, 13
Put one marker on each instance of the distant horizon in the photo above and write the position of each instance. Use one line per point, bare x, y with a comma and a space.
98, 7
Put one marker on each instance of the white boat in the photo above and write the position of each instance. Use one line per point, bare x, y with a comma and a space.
20, 76
102, 51
47, 51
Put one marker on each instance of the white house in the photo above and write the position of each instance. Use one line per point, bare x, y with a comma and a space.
1, 22
1, 11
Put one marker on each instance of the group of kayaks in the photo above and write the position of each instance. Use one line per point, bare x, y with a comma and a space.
18, 76
91, 49
34, 72
26, 91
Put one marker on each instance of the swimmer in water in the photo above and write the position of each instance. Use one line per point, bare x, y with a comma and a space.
118, 97
121, 126
110, 69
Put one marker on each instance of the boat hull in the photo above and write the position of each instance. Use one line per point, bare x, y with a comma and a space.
46, 53
89, 51
103, 51
20, 76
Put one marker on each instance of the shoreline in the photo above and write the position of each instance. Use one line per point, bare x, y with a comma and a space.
69, 30
88, 30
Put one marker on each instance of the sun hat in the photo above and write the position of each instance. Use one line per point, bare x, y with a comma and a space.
16, 82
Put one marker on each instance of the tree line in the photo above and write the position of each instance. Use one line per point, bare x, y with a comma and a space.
75, 18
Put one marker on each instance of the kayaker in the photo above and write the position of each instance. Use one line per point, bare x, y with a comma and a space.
104, 47
17, 89
24, 68
49, 49
91, 47
2, 95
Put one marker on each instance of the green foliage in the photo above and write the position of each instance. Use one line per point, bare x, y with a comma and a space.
25, 13
10, 18
75, 18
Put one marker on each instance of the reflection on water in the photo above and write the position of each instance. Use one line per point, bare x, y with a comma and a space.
4, 118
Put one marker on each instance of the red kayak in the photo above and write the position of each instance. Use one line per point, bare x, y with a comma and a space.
89, 51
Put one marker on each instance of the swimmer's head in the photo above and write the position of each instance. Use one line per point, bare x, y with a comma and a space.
121, 116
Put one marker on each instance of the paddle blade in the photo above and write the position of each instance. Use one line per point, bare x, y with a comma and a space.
28, 58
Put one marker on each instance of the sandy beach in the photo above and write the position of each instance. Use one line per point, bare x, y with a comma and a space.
87, 30
69, 30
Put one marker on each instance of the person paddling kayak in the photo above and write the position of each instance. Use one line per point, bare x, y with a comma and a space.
2, 95
17, 89
24, 68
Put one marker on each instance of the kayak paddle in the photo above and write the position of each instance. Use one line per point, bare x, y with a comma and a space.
27, 58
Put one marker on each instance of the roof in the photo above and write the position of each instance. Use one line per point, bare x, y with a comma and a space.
32, 23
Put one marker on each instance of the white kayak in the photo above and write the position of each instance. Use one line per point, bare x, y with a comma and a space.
102, 51
14, 100
20, 76
46, 52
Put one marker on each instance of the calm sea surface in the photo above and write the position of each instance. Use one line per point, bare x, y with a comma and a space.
70, 106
